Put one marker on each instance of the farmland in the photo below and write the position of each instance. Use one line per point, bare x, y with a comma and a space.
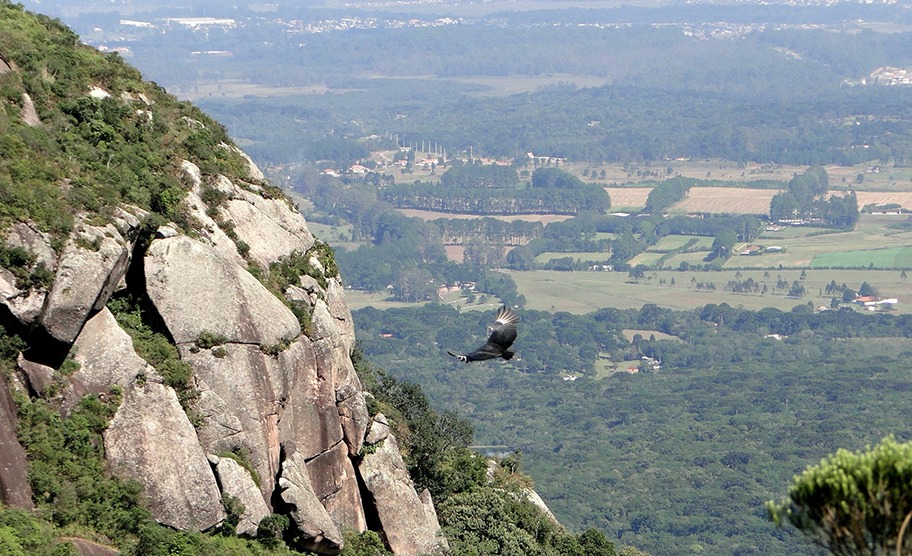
583, 292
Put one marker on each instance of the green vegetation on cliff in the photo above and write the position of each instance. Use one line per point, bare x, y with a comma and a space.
105, 136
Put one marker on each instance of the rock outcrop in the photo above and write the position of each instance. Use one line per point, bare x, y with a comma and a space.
271, 375
90, 267
14, 486
196, 290
410, 524
236, 481
151, 440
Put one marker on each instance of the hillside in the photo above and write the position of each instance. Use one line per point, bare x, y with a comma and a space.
178, 365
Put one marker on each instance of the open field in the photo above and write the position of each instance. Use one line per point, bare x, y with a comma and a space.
674, 241
895, 257
628, 197
338, 237
583, 292
729, 200
902, 198
889, 178
358, 299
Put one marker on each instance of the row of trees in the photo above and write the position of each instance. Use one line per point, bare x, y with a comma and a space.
459, 231
490, 200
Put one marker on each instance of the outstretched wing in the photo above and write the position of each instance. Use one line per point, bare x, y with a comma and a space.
503, 331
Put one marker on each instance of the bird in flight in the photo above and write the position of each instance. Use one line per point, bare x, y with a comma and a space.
502, 334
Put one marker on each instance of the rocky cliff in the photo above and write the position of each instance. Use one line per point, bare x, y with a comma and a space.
272, 412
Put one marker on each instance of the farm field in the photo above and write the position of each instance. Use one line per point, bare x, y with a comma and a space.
455, 253
628, 197
902, 198
338, 237
896, 257
583, 292
674, 241
731, 200
818, 247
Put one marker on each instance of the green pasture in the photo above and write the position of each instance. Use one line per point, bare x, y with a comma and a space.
892, 257
647, 258
872, 242
695, 257
605, 367
583, 292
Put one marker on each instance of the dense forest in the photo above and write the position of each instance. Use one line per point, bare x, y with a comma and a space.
675, 459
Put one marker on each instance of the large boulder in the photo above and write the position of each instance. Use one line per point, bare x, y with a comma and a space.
23, 305
105, 355
92, 264
318, 531
235, 481
151, 441
33, 240
196, 289
409, 528
15, 490
272, 228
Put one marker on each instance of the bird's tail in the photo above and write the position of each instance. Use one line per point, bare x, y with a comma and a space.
462, 358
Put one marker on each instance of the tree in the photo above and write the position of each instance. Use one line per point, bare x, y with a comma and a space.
637, 273
723, 244
853, 503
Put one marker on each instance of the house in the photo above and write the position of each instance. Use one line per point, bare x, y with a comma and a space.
752, 250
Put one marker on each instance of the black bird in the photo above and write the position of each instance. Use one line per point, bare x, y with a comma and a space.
502, 335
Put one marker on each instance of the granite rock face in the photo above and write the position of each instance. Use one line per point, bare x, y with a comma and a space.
282, 395
150, 440
14, 486
411, 528
196, 289
309, 516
